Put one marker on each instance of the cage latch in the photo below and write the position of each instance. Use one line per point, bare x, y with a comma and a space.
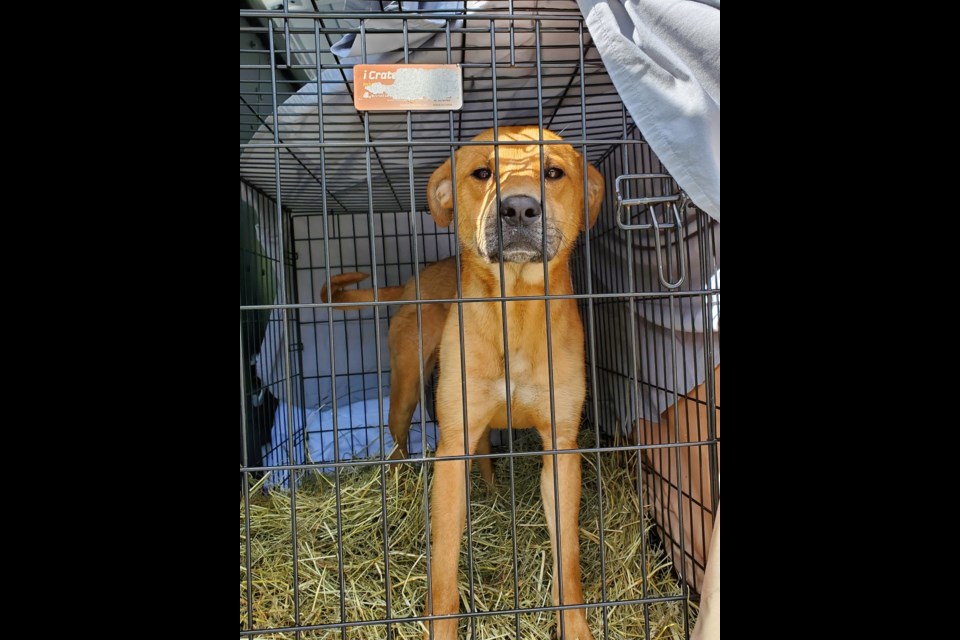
674, 203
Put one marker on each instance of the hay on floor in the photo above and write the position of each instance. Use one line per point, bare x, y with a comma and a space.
627, 559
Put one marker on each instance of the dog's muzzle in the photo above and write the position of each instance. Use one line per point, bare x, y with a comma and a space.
522, 221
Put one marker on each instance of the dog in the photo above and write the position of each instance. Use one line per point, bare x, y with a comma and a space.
533, 232
437, 281
510, 230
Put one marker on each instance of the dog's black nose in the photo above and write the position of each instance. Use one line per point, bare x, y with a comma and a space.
520, 211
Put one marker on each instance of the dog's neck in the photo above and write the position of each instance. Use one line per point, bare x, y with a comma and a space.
524, 279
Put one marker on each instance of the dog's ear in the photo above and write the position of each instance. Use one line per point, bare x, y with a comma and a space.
594, 193
440, 195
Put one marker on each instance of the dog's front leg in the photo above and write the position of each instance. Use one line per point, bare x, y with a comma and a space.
448, 510
574, 625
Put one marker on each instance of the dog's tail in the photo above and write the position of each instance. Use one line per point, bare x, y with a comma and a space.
338, 282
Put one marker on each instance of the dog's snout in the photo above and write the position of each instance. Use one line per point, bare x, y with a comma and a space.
520, 210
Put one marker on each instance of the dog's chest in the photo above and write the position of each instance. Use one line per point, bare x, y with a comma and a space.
526, 364
522, 358
525, 374
529, 391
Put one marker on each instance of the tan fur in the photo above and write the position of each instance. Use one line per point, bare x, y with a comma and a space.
527, 345
338, 282
484, 352
437, 281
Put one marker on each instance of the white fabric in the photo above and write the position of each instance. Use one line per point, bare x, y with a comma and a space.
357, 431
664, 58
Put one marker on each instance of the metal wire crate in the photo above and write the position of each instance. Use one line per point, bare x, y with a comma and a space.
326, 189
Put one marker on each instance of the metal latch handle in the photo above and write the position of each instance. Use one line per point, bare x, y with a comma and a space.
650, 201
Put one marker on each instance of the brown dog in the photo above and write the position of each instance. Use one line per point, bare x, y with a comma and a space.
524, 220
437, 281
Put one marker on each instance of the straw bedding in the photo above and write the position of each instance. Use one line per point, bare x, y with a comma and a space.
626, 559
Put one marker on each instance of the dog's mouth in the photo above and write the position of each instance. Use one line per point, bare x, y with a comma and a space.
524, 250
518, 245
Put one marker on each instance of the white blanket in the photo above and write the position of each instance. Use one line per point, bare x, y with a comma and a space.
664, 58
355, 428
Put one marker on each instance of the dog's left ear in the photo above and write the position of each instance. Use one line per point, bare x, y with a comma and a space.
594, 193
440, 195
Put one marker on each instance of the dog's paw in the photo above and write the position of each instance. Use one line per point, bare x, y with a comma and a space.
571, 634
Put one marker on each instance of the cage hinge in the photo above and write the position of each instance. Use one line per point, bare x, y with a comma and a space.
673, 203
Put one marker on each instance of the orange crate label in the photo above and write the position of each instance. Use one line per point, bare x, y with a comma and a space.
402, 87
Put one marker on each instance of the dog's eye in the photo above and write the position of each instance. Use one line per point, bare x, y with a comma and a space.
554, 173
482, 173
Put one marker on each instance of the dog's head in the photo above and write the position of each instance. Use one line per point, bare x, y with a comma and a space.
520, 213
